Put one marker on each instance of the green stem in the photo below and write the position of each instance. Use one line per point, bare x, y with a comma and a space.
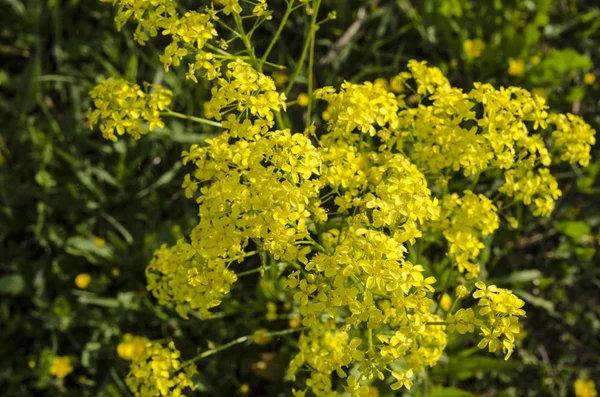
237, 341
311, 62
288, 11
252, 271
437, 323
200, 120
246, 41
300, 64
370, 339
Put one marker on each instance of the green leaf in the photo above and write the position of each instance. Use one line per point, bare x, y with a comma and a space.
536, 301
574, 229
12, 284
522, 276
439, 391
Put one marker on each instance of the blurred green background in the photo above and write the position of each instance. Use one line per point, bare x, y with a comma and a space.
72, 203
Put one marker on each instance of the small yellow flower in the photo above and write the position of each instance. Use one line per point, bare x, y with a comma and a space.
585, 388
516, 67
244, 389
383, 83
473, 48
514, 223
446, 302
132, 347
540, 92
61, 366
271, 311
83, 280
99, 241
589, 78
32, 364
536, 59
280, 78
207, 111
303, 100
461, 292
295, 322
373, 392
260, 338
116, 272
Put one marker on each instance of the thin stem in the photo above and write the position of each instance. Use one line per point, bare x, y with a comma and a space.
370, 339
437, 323
200, 120
311, 62
237, 341
300, 64
246, 41
288, 11
252, 271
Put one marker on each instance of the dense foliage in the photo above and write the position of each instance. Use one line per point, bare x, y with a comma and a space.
344, 218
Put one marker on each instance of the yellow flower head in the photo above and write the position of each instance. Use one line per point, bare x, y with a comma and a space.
445, 302
303, 99
585, 388
158, 372
99, 241
516, 67
132, 347
589, 78
83, 280
61, 366
461, 292
474, 48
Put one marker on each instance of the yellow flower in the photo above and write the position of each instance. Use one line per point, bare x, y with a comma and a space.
516, 67
132, 347
280, 78
585, 388
303, 99
244, 389
461, 292
83, 280
536, 59
539, 92
373, 392
514, 223
61, 366
383, 83
295, 322
446, 302
158, 372
474, 48
260, 338
271, 311
99, 241
589, 78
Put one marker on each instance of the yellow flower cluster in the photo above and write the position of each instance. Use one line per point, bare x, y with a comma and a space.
465, 219
585, 388
123, 107
497, 317
61, 366
573, 138
158, 372
182, 276
132, 347
340, 209
244, 90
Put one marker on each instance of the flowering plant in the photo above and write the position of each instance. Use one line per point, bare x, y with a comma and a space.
338, 208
